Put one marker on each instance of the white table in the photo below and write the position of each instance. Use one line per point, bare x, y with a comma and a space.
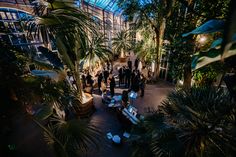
130, 116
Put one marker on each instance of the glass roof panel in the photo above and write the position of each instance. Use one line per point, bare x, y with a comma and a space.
111, 5
108, 5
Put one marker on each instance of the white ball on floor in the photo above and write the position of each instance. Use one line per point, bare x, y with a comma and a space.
116, 139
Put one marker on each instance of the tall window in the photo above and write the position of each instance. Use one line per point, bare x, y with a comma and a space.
3, 15
9, 15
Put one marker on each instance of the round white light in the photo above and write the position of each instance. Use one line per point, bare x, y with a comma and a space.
202, 39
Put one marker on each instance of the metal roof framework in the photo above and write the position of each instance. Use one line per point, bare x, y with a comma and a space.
111, 5
107, 5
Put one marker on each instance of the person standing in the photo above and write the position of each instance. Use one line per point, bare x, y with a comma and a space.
120, 76
108, 65
136, 63
123, 75
136, 83
125, 98
89, 79
127, 77
103, 88
142, 86
129, 63
132, 79
112, 85
100, 77
105, 74
145, 72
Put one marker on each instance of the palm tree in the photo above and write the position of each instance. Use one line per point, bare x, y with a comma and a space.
153, 13
145, 49
70, 138
203, 116
68, 25
122, 42
97, 50
193, 122
155, 137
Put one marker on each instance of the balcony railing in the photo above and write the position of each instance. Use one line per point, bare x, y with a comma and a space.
24, 2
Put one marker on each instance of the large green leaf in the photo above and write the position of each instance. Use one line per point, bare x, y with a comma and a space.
76, 135
219, 41
209, 57
204, 58
121, 41
210, 26
97, 50
197, 114
216, 43
52, 57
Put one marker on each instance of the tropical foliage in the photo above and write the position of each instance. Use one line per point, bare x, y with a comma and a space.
38, 96
145, 49
70, 138
44, 91
68, 25
97, 50
193, 122
151, 14
121, 43
182, 48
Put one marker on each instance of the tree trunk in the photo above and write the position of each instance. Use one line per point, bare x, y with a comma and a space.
122, 55
157, 65
187, 75
159, 43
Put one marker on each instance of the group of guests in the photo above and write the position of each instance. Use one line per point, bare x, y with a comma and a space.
133, 79
104, 78
130, 78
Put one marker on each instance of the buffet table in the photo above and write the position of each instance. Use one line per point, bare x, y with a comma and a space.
126, 114
130, 113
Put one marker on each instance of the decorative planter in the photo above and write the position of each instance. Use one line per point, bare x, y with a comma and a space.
86, 109
122, 59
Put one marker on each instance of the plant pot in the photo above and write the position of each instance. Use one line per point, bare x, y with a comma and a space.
122, 59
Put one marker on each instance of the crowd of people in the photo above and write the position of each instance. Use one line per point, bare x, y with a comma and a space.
130, 77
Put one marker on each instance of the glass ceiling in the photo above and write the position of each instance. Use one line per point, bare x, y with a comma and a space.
108, 5
111, 5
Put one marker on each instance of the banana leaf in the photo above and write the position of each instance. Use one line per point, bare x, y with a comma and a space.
216, 43
205, 58
51, 57
210, 26
219, 41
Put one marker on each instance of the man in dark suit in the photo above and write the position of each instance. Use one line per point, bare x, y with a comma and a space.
129, 64
127, 77
112, 85
105, 74
120, 76
136, 62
